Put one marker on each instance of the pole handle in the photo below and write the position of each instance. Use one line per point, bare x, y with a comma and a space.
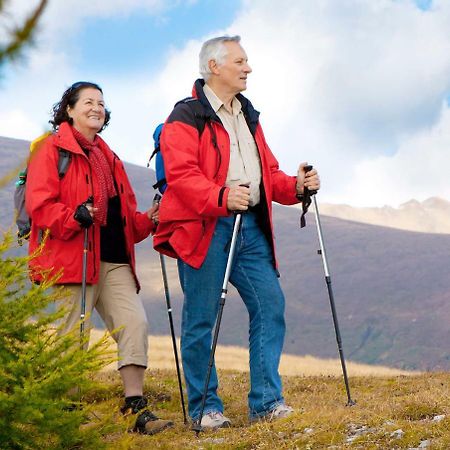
156, 199
306, 191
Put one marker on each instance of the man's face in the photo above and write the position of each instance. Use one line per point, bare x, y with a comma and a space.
233, 72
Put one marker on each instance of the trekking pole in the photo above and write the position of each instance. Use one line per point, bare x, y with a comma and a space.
323, 254
197, 426
169, 314
89, 202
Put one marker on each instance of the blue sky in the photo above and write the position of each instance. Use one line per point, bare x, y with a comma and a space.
149, 36
359, 88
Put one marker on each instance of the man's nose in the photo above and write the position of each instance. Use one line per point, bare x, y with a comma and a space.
247, 69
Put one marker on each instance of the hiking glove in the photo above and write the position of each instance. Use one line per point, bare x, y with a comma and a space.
83, 217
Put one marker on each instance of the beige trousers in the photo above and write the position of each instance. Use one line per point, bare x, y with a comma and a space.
115, 299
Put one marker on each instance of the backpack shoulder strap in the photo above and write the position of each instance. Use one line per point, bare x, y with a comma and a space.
198, 111
63, 162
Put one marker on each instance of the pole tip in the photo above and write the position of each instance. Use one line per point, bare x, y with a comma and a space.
351, 402
197, 428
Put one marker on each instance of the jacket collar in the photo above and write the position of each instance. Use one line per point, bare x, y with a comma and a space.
65, 139
251, 114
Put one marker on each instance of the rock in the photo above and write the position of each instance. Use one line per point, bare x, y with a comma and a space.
423, 444
397, 434
356, 431
438, 418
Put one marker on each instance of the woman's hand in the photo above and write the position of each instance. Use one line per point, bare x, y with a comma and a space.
153, 213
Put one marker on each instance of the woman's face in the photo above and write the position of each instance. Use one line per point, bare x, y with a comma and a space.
88, 113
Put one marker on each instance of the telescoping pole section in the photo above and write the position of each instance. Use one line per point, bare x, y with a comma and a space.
322, 252
172, 331
162, 261
197, 427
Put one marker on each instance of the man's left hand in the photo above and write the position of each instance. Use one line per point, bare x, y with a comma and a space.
308, 179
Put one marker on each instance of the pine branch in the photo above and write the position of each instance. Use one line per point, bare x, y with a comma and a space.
23, 35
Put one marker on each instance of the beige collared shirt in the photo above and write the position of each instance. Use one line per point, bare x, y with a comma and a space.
245, 166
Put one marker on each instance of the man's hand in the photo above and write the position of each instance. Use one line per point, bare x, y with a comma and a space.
307, 179
238, 198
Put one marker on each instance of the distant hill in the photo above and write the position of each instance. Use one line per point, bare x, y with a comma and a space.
392, 287
429, 216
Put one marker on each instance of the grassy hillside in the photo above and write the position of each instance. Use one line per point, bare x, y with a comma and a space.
402, 412
392, 287
228, 357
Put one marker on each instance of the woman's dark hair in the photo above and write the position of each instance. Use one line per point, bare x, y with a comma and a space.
69, 98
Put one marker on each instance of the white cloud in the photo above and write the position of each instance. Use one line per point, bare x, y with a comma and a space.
18, 125
351, 86
419, 169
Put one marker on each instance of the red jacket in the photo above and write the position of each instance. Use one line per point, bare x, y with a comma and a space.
196, 171
51, 204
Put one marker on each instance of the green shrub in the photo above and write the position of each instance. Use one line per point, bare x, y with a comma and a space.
38, 368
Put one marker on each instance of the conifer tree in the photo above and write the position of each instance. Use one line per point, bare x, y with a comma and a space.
38, 368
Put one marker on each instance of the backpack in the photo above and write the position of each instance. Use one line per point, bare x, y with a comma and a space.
23, 221
200, 118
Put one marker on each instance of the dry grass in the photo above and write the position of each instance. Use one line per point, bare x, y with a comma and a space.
391, 413
236, 358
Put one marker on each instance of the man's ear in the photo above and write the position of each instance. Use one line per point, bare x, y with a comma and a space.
213, 66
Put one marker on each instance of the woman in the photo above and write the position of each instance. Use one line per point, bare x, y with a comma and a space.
59, 210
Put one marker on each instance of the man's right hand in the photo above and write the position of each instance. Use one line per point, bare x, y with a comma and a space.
238, 198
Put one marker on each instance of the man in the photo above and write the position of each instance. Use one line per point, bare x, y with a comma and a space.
227, 167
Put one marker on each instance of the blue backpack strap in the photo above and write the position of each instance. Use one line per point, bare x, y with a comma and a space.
157, 142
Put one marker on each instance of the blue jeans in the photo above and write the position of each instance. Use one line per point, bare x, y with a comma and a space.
256, 280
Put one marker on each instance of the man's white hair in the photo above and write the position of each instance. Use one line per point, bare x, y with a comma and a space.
216, 50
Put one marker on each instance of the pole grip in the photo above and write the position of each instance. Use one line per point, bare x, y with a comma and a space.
306, 191
156, 199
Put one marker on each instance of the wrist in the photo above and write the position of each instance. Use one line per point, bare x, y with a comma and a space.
299, 189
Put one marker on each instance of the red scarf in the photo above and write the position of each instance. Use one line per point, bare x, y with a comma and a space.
103, 173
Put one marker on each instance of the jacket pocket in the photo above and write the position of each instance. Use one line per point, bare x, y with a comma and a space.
186, 237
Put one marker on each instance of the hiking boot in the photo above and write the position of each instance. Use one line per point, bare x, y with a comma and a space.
214, 420
146, 421
279, 411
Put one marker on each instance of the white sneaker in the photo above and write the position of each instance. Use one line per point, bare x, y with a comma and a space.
215, 419
278, 412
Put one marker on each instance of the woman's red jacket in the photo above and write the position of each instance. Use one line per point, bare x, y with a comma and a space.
51, 203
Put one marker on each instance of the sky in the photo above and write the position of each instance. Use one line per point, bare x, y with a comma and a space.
358, 88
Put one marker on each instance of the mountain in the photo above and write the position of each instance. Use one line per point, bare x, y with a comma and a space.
429, 216
392, 287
